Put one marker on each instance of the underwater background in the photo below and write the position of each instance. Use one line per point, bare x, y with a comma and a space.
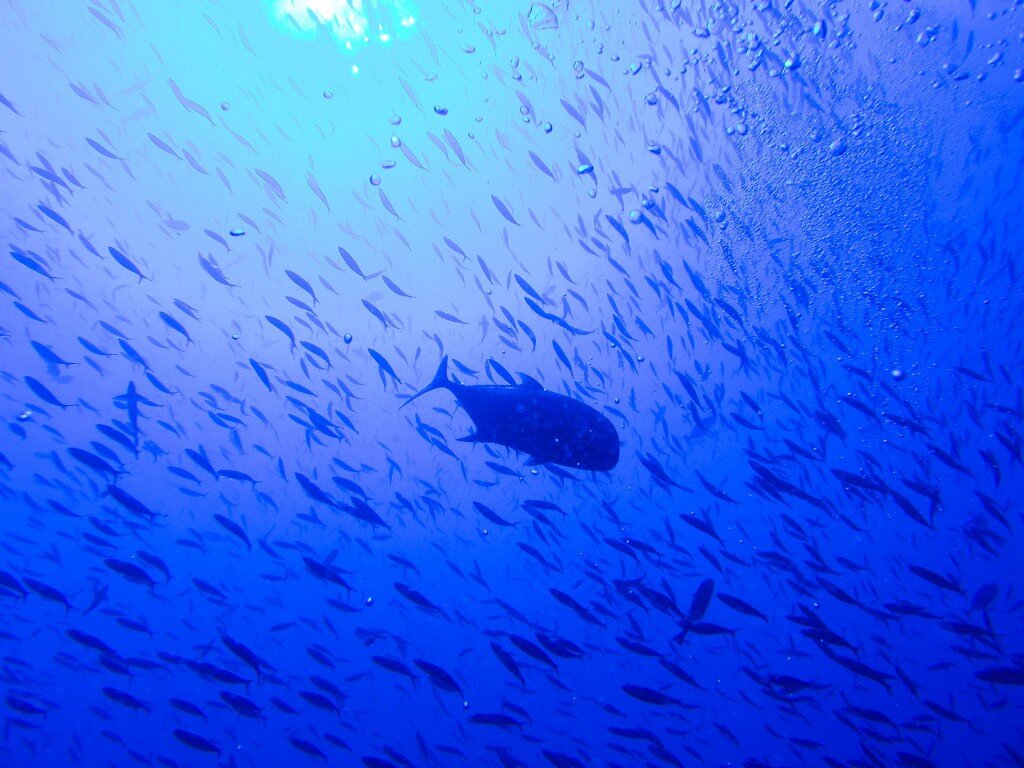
776, 243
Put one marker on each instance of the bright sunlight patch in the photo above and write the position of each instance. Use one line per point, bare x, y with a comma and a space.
353, 23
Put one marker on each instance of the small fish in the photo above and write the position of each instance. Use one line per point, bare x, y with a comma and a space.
32, 263
127, 263
40, 391
190, 105
209, 266
503, 210
283, 328
373, 310
54, 216
302, 283
438, 676
383, 366
195, 741
234, 529
101, 149
262, 374
174, 325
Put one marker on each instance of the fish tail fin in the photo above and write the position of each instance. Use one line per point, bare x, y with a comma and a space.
440, 381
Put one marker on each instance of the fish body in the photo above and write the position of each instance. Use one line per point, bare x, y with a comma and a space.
550, 428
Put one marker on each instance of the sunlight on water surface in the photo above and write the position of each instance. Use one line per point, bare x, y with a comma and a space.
353, 23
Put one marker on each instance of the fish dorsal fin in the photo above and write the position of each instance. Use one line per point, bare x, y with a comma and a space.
529, 382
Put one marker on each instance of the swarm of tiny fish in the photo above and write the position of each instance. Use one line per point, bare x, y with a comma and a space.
774, 242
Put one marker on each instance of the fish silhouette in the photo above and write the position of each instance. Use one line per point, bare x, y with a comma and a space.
550, 428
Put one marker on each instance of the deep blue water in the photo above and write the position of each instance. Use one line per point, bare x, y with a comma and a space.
776, 243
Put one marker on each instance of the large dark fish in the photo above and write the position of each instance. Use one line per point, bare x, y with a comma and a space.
550, 428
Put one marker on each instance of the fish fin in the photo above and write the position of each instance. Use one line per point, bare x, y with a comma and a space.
529, 382
440, 381
476, 437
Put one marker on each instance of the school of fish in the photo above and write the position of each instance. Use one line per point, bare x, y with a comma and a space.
722, 460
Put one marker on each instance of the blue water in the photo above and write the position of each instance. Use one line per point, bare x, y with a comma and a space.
775, 243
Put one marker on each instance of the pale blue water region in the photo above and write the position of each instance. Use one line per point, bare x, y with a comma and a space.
725, 297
